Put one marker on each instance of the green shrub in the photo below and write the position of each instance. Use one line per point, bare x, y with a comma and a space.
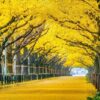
96, 97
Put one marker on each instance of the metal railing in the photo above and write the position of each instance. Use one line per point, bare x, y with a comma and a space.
25, 73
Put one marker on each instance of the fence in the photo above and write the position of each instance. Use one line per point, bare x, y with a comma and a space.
24, 73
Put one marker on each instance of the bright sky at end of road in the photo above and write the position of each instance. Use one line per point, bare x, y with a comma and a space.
79, 72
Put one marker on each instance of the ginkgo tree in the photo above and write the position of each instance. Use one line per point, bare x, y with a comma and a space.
19, 29
22, 25
24, 22
86, 23
83, 20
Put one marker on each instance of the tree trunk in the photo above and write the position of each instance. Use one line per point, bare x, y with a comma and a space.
14, 64
97, 72
1, 72
0, 69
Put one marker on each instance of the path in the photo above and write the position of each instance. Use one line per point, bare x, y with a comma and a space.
60, 88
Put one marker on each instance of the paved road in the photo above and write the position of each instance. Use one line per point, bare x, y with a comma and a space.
60, 88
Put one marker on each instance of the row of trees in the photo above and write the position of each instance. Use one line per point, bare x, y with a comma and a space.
38, 58
25, 27
89, 31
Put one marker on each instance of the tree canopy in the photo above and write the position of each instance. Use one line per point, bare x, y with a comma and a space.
69, 27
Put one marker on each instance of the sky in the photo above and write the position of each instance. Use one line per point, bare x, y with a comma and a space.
79, 72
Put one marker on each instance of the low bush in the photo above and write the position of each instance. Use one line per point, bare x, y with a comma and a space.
96, 97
